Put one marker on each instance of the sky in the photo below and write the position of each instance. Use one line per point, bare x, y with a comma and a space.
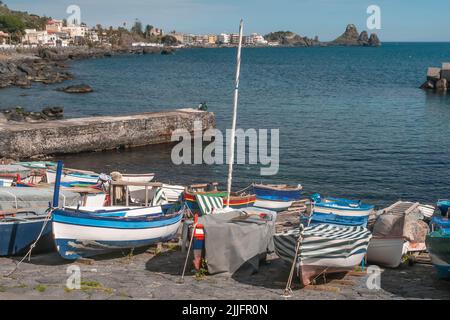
401, 20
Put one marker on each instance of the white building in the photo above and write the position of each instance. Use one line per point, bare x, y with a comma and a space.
223, 38
54, 25
258, 39
34, 37
76, 31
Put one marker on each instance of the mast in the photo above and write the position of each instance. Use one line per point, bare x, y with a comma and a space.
235, 102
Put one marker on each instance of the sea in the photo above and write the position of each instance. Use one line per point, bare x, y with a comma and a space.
352, 121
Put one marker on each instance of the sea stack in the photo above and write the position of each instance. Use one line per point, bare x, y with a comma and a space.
351, 37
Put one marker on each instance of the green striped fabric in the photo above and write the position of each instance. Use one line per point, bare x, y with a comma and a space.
323, 241
208, 203
159, 198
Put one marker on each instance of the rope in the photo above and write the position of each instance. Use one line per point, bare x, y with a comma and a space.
250, 186
28, 254
288, 290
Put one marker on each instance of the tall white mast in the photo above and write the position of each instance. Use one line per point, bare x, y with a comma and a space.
233, 127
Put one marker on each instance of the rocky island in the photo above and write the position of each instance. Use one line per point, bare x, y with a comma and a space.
351, 37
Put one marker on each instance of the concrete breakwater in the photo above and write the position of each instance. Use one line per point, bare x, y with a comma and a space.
34, 140
438, 78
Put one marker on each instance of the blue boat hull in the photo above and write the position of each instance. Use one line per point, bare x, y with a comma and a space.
16, 238
443, 207
326, 218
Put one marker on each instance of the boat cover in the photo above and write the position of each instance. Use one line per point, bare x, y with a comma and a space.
14, 169
232, 239
20, 198
401, 225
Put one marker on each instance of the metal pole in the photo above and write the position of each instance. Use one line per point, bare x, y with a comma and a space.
233, 127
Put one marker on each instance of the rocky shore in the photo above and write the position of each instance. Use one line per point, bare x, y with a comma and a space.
48, 65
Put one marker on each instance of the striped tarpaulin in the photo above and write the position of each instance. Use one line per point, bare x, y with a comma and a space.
322, 241
208, 203
159, 198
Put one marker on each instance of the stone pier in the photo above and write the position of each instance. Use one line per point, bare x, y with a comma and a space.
20, 140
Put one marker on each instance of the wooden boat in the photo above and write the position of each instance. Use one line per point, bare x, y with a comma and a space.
73, 177
276, 197
237, 201
389, 243
80, 233
19, 229
324, 249
438, 246
340, 211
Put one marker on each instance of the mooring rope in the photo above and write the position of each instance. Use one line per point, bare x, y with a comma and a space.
288, 290
28, 254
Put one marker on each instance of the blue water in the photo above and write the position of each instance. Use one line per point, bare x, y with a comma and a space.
352, 121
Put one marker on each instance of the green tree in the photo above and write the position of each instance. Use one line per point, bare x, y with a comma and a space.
169, 40
11, 24
137, 28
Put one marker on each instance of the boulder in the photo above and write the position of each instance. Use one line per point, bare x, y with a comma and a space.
428, 85
54, 112
442, 85
433, 74
374, 41
82, 88
445, 73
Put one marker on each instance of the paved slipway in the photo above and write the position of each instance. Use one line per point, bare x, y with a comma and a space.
147, 275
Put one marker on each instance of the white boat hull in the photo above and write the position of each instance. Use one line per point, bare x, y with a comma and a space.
273, 205
387, 252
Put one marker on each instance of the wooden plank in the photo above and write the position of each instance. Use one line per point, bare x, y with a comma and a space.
136, 184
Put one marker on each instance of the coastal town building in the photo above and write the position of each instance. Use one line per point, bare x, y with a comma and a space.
4, 37
258, 39
188, 39
223, 38
156, 32
54, 25
35, 37
234, 38
212, 39
76, 31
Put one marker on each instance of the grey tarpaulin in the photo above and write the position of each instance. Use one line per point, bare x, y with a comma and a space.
20, 198
14, 169
230, 242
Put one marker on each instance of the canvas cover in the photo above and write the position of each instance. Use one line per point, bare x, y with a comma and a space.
231, 240
20, 198
409, 226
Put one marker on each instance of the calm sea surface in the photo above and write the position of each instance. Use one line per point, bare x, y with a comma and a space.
352, 121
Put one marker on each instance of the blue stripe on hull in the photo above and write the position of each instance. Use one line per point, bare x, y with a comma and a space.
16, 238
330, 218
72, 249
92, 220
275, 195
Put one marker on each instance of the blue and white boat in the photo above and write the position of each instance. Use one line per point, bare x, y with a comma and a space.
339, 211
19, 230
81, 234
276, 197
443, 206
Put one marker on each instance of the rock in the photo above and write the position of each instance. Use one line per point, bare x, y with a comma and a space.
167, 51
349, 38
83, 88
445, 73
428, 85
433, 74
374, 41
3, 118
442, 85
54, 112
363, 38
